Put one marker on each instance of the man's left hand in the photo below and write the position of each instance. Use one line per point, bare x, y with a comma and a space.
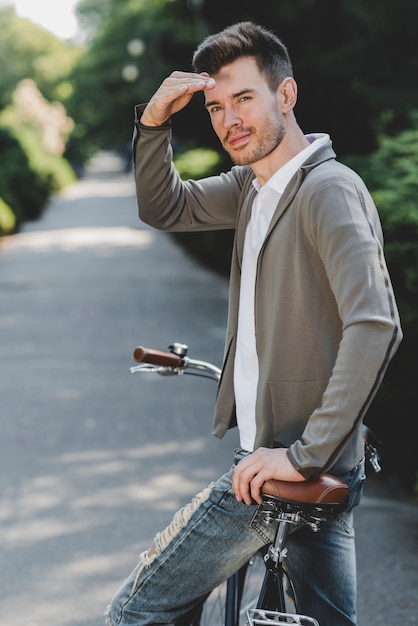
253, 471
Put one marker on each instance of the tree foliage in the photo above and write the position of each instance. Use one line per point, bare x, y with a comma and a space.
353, 61
33, 125
391, 174
32, 52
133, 48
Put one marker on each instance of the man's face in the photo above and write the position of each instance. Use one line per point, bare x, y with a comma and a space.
245, 113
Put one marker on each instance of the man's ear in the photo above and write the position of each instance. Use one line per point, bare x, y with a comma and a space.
288, 91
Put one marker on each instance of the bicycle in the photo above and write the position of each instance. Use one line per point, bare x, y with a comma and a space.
261, 593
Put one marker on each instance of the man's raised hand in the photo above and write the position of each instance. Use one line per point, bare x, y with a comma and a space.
174, 94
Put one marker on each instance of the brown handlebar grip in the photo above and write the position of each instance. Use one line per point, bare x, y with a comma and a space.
156, 357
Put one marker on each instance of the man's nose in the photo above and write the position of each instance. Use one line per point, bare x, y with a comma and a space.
231, 117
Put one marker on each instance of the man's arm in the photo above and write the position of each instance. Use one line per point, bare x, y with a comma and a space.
166, 202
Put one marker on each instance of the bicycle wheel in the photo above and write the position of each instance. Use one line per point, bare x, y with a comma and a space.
246, 596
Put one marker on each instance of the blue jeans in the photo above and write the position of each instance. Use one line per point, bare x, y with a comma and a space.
211, 537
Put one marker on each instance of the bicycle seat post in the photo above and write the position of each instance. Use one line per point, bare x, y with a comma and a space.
272, 593
277, 551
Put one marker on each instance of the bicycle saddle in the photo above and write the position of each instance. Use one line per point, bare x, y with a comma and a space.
326, 493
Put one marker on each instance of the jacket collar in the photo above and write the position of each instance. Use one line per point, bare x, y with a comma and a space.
324, 153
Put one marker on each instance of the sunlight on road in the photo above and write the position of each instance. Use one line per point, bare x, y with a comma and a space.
75, 238
108, 186
32, 513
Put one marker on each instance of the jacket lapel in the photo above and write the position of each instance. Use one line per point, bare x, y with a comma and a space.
287, 197
243, 219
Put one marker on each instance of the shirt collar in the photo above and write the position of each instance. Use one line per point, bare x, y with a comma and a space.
279, 180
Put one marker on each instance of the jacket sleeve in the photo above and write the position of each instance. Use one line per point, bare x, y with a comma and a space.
166, 202
344, 228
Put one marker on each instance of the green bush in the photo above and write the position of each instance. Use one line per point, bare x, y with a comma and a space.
213, 248
29, 175
33, 134
7, 219
53, 172
391, 174
197, 163
18, 183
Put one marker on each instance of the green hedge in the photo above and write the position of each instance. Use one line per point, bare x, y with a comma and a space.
213, 248
391, 174
7, 219
29, 175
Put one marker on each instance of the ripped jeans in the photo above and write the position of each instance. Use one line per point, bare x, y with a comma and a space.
211, 537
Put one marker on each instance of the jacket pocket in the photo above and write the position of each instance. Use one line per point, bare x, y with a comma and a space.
292, 404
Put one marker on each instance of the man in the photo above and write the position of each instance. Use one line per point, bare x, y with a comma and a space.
312, 325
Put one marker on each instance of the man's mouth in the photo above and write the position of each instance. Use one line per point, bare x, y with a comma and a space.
238, 140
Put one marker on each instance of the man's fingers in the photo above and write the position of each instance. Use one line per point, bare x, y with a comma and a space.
246, 481
253, 470
255, 488
194, 81
174, 94
187, 83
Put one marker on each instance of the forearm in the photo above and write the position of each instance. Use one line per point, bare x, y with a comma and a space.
168, 203
346, 232
364, 354
155, 178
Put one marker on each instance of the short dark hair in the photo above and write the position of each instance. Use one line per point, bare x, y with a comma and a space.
245, 39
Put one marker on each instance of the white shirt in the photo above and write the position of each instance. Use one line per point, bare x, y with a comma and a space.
246, 360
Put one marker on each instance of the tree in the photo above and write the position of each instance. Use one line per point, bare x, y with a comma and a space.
134, 46
33, 124
47, 119
33, 135
32, 52
353, 62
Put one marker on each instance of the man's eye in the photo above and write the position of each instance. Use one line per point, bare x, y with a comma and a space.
215, 109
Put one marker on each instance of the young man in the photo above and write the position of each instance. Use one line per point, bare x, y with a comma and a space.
312, 325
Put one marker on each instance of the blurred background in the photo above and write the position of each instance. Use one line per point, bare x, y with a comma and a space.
73, 71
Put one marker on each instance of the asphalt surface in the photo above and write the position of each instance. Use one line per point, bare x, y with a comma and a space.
94, 460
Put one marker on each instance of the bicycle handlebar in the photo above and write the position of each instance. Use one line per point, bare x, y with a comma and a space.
157, 357
172, 363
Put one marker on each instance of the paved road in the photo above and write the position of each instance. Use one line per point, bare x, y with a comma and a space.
92, 459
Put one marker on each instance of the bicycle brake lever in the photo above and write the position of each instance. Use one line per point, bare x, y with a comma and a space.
162, 370
373, 458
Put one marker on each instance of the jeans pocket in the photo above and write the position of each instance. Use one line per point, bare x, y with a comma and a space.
264, 529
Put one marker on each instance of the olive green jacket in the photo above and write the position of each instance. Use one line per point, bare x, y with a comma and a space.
326, 319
